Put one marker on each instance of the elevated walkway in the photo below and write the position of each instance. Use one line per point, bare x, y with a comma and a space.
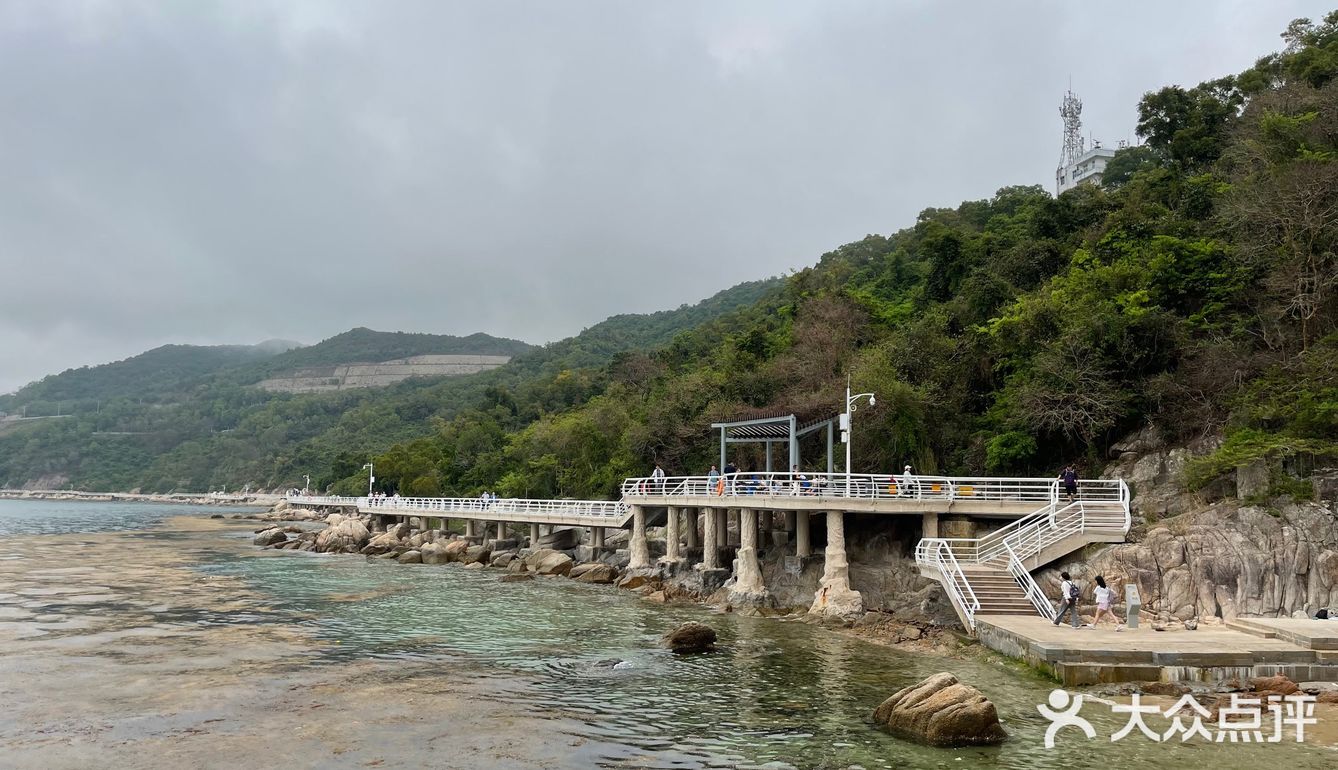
575, 513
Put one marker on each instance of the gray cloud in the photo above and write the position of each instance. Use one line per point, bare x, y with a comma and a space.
230, 171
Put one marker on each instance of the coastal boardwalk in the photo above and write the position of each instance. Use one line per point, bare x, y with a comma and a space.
995, 529
981, 539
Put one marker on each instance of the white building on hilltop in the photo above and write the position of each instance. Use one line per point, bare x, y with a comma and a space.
1077, 164
1087, 167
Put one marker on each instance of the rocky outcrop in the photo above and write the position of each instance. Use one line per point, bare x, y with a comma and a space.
690, 638
433, 553
345, 534
546, 561
594, 573
941, 711
271, 536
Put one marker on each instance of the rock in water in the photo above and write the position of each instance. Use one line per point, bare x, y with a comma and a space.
410, 557
597, 573
348, 533
942, 711
546, 561
691, 637
270, 537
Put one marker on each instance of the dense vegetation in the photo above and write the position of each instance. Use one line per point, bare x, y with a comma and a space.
186, 418
1192, 293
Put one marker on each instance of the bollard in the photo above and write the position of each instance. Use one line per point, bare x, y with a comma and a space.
1133, 603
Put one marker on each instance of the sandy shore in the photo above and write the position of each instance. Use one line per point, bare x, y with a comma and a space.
108, 658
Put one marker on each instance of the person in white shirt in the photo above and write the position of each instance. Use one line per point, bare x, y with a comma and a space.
1104, 598
1068, 599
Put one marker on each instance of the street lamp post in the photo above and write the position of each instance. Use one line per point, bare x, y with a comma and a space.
851, 401
371, 477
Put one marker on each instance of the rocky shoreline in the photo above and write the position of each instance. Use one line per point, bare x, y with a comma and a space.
561, 554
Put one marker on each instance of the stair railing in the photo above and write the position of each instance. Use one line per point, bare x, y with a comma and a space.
1029, 586
940, 556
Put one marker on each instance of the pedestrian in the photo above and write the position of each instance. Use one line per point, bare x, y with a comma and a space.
1068, 592
657, 478
731, 472
908, 485
798, 481
1069, 478
1104, 597
712, 479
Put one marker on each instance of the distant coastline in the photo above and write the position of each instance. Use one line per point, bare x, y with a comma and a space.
188, 498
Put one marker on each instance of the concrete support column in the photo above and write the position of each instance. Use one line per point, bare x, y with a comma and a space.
801, 542
690, 524
711, 539
469, 527
735, 518
640, 550
929, 525
721, 528
501, 530
534, 535
597, 537
834, 597
748, 587
671, 549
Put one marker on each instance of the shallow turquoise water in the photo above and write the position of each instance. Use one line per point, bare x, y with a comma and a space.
777, 692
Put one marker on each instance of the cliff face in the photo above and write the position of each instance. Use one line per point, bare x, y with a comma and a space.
1194, 558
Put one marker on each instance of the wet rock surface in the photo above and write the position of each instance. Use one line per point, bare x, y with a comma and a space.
941, 711
691, 638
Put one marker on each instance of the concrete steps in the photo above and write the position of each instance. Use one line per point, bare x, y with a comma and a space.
998, 592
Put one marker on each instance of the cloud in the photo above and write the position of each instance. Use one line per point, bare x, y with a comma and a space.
230, 172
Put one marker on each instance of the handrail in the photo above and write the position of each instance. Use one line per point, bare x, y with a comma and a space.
868, 486
1029, 586
595, 509
955, 582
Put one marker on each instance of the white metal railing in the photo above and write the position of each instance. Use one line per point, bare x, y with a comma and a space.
1010, 547
940, 556
868, 486
603, 510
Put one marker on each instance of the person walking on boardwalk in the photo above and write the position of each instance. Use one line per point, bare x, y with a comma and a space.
1068, 591
907, 486
712, 479
657, 478
731, 472
1104, 597
1069, 478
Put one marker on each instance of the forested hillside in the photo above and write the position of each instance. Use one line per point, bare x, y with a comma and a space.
1192, 293
187, 418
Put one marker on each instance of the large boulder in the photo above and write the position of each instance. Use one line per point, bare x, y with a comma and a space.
546, 561
597, 573
477, 554
410, 557
455, 550
941, 711
502, 559
346, 534
271, 536
691, 637
433, 553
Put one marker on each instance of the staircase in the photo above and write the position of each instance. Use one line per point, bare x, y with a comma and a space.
991, 575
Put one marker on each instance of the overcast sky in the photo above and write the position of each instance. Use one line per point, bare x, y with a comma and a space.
232, 171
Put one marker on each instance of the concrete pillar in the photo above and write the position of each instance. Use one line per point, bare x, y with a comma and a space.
721, 528
834, 597
640, 551
735, 518
534, 535
801, 542
690, 524
469, 527
929, 525
671, 550
711, 539
501, 530
597, 537
748, 587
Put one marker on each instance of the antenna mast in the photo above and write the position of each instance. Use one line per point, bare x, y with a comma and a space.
1071, 112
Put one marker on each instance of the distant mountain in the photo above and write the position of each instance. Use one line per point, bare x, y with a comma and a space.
147, 376
185, 417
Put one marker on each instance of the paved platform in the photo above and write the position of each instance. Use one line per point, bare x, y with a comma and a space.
1314, 634
1209, 654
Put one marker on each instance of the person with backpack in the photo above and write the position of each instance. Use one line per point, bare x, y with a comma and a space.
1068, 591
1069, 478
